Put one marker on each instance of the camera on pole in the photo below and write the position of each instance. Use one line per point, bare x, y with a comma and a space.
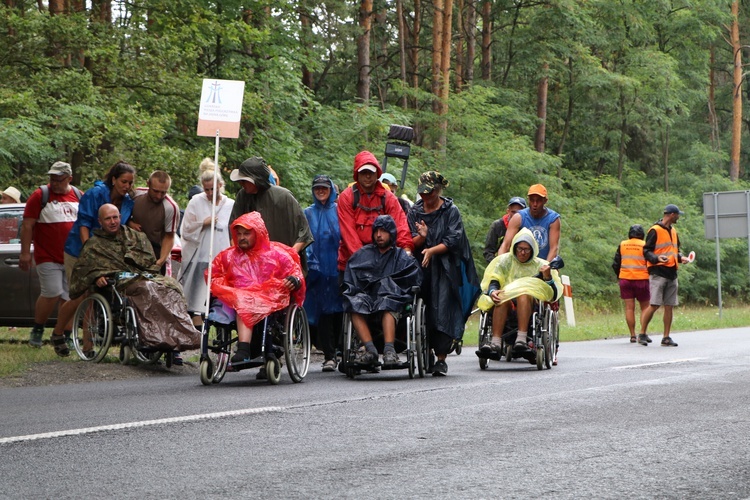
398, 146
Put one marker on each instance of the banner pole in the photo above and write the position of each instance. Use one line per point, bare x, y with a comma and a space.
211, 241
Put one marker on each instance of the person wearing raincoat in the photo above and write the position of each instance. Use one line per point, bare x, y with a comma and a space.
323, 302
514, 277
451, 284
255, 277
378, 280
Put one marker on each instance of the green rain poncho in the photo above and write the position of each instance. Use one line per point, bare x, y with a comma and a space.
518, 278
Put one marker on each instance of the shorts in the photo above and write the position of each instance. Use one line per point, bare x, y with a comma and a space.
663, 291
396, 315
52, 280
70, 261
635, 289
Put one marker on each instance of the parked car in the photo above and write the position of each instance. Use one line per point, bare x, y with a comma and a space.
20, 289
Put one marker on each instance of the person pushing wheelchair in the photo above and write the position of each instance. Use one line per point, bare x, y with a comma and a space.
517, 277
378, 280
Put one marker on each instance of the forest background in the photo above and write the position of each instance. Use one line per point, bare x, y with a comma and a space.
618, 107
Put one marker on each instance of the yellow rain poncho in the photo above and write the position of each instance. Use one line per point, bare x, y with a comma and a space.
518, 278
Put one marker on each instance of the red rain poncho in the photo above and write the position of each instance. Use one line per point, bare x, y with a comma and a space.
252, 281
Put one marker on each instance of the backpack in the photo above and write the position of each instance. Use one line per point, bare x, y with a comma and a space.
45, 194
355, 202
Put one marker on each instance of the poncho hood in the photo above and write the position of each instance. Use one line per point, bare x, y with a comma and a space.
524, 235
257, 169
387, 223
252, 221
332, 198
365, 158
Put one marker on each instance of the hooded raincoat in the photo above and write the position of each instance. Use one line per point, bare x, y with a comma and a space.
252, 281
375, 281
451, 284
322, 272
516, 278
356, 222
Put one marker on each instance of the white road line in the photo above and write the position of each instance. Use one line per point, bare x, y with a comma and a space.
656, 364
143, 423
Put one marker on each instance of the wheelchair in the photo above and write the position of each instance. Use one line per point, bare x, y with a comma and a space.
543, 337
284, 333
105, 318
411, 340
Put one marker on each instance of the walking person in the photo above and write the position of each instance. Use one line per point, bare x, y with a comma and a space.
323, 302
662, 253
630, 267
450, 284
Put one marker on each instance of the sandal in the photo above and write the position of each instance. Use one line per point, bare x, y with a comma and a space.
59, 342
633, 339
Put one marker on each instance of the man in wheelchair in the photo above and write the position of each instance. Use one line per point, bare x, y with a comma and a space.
378, 283
517, 277
158, 302
255, 277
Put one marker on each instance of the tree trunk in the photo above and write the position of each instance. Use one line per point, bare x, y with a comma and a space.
56, 7
471, 39
437, 47
416, 28
734, 164
459, 73
665, 156
713, 120
305, 25
541, 110
445, 72
486, 40
402, 50
363, 51
621, 149
569, 113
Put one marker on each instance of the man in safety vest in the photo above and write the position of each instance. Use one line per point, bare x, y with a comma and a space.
662, 253
630, 267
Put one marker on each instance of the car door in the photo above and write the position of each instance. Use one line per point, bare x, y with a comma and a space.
16, 294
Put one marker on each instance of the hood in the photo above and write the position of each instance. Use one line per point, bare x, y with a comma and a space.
385, 222
524, 235
256, 169
364, 158
252, 220
334, 194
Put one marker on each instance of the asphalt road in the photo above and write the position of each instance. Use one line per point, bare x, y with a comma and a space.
613, 420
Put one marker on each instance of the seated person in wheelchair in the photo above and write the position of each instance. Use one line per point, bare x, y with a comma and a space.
378, 280
116, 249
255, 277
522, 276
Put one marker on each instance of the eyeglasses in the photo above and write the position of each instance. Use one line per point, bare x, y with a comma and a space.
523, 250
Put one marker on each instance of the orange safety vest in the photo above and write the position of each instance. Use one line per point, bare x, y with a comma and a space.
666, 244
632, 261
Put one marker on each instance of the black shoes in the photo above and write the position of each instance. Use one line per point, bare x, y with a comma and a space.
668, 342
440, 369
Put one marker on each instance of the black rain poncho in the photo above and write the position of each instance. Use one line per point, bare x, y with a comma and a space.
451, 284
375, 281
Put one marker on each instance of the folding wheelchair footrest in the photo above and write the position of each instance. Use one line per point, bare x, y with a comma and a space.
398, 366
250, 363
488, 355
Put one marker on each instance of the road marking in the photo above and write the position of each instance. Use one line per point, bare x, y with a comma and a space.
656, 364
143, 423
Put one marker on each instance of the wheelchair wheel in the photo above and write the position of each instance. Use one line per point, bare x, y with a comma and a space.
296, 343
214, 363
125, 354
92, 328
273, 371
347, 356
509, 353
485, 336
420, 339
540, 358
550, 341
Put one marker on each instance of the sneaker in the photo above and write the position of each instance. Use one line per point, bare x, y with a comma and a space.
440, 369
390, 358
486, 348
643, 339
240, 356
35, 337
495, 347
177, 359
329, 365
648, 339
366, 358
89, 354
668, 342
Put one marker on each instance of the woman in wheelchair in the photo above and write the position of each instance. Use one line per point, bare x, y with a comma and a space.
522, 276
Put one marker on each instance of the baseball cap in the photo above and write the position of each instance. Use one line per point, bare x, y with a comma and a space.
517, 200
538, 190
672, 209
367, 166
13, 193
388, 178
321, 181
429, 180
60, 168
